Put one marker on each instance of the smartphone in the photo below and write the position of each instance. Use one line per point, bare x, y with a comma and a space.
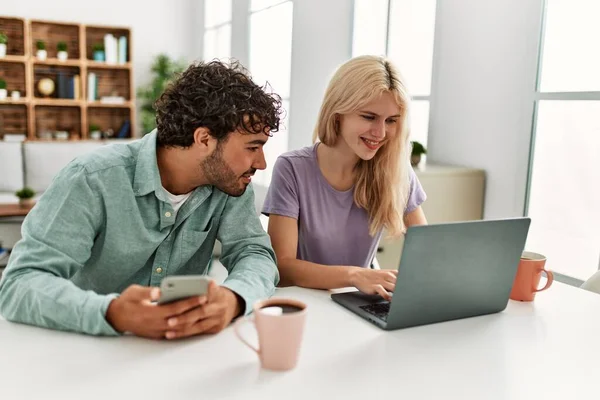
173, 288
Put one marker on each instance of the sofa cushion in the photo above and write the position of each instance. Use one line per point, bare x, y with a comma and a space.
43, 160
11, 167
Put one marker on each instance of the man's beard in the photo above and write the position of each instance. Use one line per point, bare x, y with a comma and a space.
221, 176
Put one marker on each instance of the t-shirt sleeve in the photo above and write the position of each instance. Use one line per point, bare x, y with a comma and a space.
416, 195
282, 196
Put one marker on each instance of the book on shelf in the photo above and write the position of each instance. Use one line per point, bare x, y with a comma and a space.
115, 50
76, 87
110, 49
122, 59
124, 130
61, 85
65, 85
91, 84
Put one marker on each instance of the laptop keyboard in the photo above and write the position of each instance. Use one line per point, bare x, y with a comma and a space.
380, 310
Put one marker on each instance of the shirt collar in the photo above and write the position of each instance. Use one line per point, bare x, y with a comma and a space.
147, 176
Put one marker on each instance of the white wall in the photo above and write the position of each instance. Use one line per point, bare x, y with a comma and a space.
321, 41
158, 26
484, 80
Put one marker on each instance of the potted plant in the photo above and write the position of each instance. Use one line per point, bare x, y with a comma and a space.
95, 132
417, 150
61, 49
3, 92
3, 42
164, 70
98, 52
41, 50
25, 196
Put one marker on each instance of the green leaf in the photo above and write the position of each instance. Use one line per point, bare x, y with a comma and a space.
418, 149
164, 70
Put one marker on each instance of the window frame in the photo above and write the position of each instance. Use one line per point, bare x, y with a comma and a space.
539, 96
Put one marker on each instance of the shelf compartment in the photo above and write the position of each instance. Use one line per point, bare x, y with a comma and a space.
14, 75
13, 120
111, 82
50, 119
14, 28
95, 35
52, 33
110, 118
54, 73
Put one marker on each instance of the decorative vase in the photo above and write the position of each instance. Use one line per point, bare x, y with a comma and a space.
26, 203
41, 55
99, 55
415, 160
2, 50
15, 95
62, 55
3, 94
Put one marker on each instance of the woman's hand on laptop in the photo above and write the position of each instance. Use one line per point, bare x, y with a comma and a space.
374, 281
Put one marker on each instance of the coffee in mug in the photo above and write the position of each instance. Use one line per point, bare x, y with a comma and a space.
279, 309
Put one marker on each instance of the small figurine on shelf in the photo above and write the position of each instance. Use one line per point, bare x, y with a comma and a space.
41, 53
3, 92
15, 95
98, 52
3, 43
26, 196
61, 49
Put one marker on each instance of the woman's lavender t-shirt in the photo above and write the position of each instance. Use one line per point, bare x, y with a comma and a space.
332, 230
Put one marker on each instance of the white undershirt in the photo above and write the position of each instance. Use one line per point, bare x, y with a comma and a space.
177, 200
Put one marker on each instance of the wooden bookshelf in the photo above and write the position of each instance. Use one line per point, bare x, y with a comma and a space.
37, 115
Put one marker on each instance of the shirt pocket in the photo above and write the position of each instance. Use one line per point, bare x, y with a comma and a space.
196, 248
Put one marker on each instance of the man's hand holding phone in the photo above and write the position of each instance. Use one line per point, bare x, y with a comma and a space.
144, 311
221, 307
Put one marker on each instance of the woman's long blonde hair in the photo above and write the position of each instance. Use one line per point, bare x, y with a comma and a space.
382, 183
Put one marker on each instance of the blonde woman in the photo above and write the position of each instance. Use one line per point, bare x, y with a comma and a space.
329, 203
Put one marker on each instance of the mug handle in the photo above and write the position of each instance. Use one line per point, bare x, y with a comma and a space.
549, 280
236, 328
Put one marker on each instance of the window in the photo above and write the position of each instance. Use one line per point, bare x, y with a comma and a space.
217, 29
270, 61
564, 186
404, 31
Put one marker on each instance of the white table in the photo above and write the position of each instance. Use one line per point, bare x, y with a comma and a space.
543, 350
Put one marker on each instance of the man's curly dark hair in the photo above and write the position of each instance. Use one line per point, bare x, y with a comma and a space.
219, 96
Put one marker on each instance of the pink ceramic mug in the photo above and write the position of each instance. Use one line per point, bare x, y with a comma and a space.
528, 277
280, 326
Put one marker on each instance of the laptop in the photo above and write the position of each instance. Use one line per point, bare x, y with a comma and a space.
447, 272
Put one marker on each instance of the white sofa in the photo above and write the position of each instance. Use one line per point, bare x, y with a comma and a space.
35, 164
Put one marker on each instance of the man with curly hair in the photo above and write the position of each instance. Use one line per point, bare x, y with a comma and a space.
116, 221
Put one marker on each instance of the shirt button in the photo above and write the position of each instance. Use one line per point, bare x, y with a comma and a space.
158, 270
168, 214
